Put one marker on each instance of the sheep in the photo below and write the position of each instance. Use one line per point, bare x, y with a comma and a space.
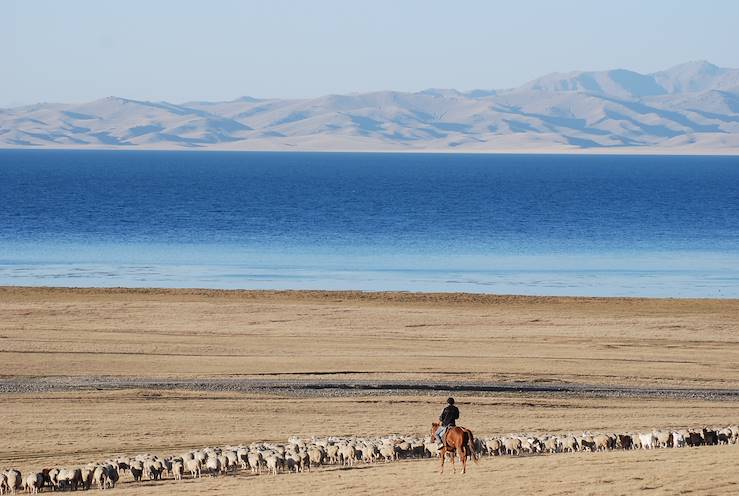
275, 463
292, 464
570, 444
213, 465
255, 461
527, 446
193, 466
299, 455
586, 442
405, 447
303, 460
100, 476
734, 433
242, 455
332, 453
493, 446
4, 486
231, 459
371, 453
178, 469
663, 439
625, 441
316, 456
34, 482
694, 438
710, 437
387, 451
137, 470
68, 479
548, 445
512, 445
111, 475
14, 480
166, 466
153, 470
418, 449
646, 440
724, 436
348, 454
602, 442
122, 465
201, 456
678, 439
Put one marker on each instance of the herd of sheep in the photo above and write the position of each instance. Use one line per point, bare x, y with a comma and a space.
298, 455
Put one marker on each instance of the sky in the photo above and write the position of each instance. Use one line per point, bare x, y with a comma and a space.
181, 50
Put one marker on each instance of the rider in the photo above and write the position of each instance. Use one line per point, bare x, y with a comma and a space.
448, 417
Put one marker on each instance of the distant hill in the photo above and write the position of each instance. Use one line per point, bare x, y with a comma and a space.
691, 107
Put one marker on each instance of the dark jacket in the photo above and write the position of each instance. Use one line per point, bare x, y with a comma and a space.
449, 415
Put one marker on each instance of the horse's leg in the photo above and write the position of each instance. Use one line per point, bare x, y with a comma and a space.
463, 456
443, 456
454, 455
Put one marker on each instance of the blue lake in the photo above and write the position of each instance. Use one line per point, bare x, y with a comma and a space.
523, 224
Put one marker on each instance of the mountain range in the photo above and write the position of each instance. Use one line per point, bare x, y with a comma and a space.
693, 107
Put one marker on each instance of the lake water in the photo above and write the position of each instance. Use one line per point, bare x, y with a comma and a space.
522, 224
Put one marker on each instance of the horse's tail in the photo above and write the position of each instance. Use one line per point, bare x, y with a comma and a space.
471, 446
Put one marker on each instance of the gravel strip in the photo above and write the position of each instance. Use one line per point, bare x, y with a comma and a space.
307, 387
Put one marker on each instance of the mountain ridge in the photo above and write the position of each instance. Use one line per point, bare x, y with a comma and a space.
691, 106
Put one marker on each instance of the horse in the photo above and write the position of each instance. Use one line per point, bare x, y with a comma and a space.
458, 441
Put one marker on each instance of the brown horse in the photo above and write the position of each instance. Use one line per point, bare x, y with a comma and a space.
457, 441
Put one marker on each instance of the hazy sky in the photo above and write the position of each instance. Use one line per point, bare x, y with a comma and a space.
218, 50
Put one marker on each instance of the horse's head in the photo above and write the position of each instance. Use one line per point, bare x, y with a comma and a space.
434, 427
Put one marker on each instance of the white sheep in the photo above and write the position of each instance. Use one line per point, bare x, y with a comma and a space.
569, 443
213, 465
231, 459
646, 440
662, 439
678, 440
178, 469
14, 480
274, 462
512, 445
332, 453
551, 445
100, 476
387, 451
34, 482
255, 460
193, 466
348, 454
316, 455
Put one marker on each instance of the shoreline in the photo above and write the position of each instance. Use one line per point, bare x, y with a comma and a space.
621, 151
415, 297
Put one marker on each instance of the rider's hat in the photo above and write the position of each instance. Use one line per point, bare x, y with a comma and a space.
450, 401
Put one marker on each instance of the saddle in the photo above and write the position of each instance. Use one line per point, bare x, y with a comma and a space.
444, 435
446, 432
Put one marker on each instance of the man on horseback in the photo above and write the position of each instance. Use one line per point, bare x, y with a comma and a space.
448, 419
457, 441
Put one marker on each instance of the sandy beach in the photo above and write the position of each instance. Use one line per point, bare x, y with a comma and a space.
88, 373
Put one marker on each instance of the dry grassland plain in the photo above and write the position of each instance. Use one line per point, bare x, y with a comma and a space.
89, 373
